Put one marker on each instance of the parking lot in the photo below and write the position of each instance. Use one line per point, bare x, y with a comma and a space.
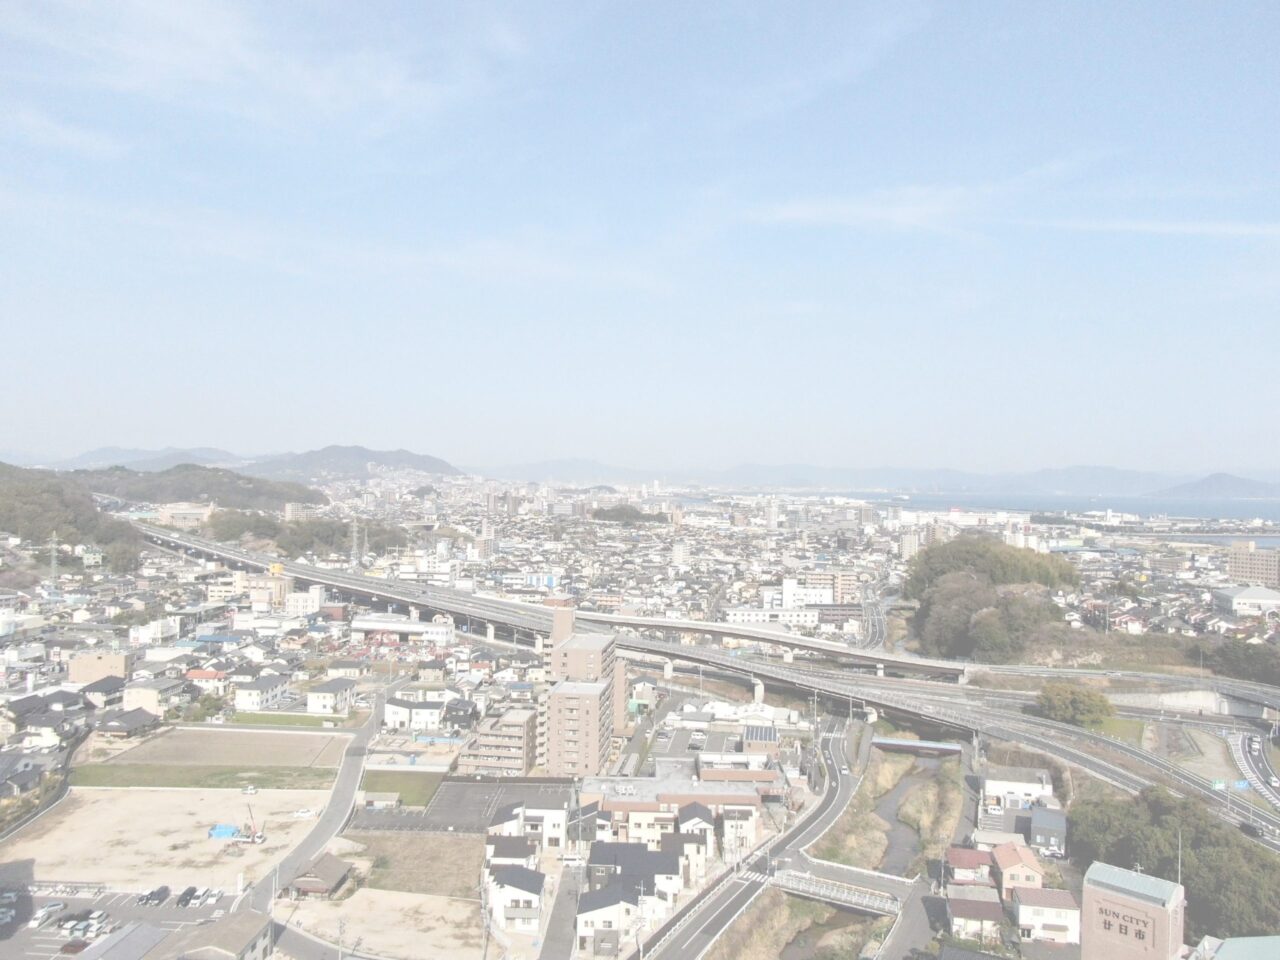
20, 942
463, 806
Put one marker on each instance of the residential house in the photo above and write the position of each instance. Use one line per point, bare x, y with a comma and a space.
605, 916
123, 724
106, 693
156, 696
323, 877
260, 694
333, 697
1016, 867
515, 898
1016, 788
208, 681
974, 912
347, 669
1051, 915
1047, 833
400, 714
510, 851
966, 865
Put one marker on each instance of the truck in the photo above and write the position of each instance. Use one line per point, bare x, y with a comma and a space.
250, 833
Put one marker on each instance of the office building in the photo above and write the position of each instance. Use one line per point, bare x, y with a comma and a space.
1247, 564
1130, 916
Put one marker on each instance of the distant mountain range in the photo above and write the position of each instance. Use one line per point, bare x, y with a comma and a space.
353, 462
1063, 481
343, 463
1223, 486
331, 462
1060, 481
147, 460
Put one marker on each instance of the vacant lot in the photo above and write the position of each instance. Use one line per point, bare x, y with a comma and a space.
403, 925
238, 748
131, 839
215, 778
415, 789
445, 865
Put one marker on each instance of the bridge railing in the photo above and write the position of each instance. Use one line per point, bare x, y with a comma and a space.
831, 891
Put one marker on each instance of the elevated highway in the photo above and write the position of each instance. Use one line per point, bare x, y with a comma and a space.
515, 619
949, 706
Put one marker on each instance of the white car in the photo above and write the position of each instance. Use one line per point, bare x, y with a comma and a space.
1274, 783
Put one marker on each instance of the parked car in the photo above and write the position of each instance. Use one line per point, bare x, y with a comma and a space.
187, 895
75, 946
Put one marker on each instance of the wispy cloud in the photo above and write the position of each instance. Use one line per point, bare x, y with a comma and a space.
837, 52
35, 127
1166, 228
531, 259
930, 209
226, 57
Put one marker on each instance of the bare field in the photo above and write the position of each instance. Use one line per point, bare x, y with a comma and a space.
237, 748
133, 839
390, 924
438, 864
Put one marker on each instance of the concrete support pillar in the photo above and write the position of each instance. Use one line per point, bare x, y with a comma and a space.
879, 669
668, 669
757, 690
415, 614
788, 655
488, 631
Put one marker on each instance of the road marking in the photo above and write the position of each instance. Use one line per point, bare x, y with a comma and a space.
742, 885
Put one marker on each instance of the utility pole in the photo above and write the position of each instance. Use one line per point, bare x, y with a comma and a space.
53, 564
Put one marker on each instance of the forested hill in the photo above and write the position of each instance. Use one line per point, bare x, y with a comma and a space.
989, 560
983, 600
194, 483
36, 504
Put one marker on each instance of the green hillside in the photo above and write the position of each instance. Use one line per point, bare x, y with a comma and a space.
191, 482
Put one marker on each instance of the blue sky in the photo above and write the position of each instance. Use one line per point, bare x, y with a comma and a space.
984, 236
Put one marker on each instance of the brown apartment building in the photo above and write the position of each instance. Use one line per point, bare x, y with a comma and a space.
1247, 564
587, 706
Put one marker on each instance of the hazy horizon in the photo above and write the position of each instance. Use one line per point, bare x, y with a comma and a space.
989, 238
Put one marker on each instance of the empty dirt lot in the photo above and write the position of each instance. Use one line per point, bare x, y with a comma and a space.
238, 748
440, 864
403, 925
137, 839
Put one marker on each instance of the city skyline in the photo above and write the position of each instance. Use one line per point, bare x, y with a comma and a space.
991, 239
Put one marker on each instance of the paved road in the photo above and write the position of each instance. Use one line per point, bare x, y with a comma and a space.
1257, 768
713, 915
331, 820
562, 925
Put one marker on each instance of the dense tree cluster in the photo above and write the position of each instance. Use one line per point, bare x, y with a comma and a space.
1072, 703
1230, 880
304, 536
190, 482
988, 560
1244, 661
35, 504
964, 617
625, 513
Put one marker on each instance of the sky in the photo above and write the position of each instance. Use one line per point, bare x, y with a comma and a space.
987, 236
